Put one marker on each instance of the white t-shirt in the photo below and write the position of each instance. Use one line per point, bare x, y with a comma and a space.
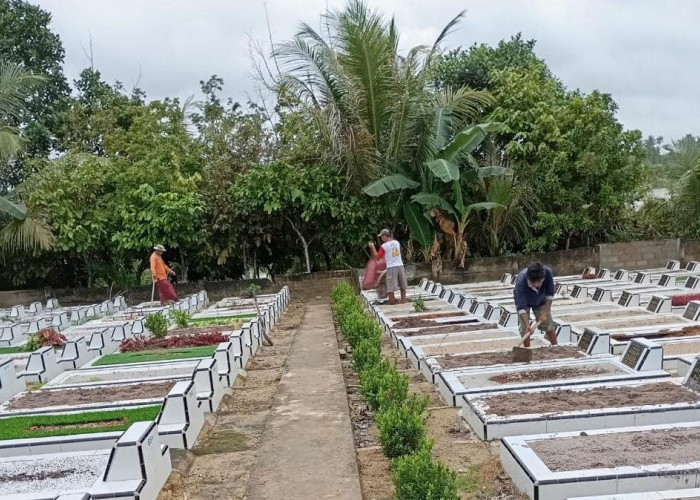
392, 254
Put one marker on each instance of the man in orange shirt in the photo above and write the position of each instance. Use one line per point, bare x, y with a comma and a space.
160, 272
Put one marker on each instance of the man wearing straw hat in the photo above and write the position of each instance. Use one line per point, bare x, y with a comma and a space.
160, 272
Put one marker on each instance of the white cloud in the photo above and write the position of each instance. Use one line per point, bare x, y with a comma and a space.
641, 51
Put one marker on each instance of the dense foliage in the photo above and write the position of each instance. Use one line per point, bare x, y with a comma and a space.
400, 415
472, 152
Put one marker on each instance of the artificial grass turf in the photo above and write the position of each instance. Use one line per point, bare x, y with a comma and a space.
13, 350
156, 355
31, 426
219, 320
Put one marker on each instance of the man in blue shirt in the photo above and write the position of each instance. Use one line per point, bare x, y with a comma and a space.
534, 289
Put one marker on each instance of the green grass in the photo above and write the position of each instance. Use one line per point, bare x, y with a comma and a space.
13, 350
21, 427
221, 320
156, 355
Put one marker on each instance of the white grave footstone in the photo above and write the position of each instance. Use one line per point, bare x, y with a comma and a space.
659, 304
643, 355
629, 299
594, 341
692, 311
10, 384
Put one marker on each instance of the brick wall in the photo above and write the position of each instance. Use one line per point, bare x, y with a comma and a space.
639, 254
690, 250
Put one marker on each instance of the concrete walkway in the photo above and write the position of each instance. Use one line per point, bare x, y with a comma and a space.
307, 449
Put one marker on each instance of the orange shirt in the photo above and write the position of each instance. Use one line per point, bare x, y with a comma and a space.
158, 268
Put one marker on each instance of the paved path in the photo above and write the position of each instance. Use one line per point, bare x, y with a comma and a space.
307, 449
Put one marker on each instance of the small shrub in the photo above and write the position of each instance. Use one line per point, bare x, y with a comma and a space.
146, 277
157, 325
419, 304
46, 337
182, 319
401, 429
370, 382
366, 355
418, 476
393, 389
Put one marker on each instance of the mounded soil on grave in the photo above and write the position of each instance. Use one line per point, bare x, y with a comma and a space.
674, 447
688, 331
506, 357
106, 394
40, 476
550, 374
561, 400
672, 349
451, 328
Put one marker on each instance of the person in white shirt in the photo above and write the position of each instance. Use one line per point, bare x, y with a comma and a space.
395, 272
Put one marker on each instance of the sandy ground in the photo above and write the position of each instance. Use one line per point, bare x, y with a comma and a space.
221, 464
618, 450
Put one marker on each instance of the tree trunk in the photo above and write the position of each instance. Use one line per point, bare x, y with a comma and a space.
568, 239
304, 243
183, 266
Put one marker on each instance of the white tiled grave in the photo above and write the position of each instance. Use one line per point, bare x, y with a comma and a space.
532, 476
635, 365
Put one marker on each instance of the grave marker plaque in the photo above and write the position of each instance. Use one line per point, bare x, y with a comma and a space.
443, 292
602, 295
633, 354
692, 380
672, 265
692, 310
693, 266
488, 312
654, 303
667, 280
434, 288
576, 291
584, 343
641, 278
461, 302
474, 307
692, 282
504, 317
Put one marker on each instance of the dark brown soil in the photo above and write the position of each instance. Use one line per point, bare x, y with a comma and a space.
674, 447
106, 394
506, 357
38, 477
688, 331
549, 374
603, 397
426, 320
436, 330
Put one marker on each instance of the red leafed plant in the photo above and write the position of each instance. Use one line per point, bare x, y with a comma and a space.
682, 300
174, 341
589, 276
46, 337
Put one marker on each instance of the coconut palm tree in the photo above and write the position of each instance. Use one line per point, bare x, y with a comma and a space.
25, 229
371, 103
686, 202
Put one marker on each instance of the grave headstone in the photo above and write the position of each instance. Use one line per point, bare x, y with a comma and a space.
462, 300
506, 278
579, 292
602, 295
692, 282
692, 378
594, 341
589, 270
443, 293
643, 355
629, 299
603, 274
692, 266
423, 282
642, 278
692, 311
488, 312
673, 265
509, 318
667, 280
622, 275
659, 304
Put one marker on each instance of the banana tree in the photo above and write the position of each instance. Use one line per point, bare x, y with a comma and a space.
436, 199
25, 231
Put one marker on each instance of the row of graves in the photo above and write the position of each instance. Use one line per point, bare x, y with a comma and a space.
612, 411
97, 417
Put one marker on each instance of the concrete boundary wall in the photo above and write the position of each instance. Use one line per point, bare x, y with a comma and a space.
629, 255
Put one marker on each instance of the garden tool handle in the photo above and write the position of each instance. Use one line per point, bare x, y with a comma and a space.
532, 330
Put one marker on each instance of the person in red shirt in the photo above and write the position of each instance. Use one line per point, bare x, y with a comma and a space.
160, 272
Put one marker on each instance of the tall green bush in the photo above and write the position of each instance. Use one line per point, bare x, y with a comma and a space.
401, 429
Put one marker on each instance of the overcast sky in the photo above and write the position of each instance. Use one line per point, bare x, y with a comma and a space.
644, 52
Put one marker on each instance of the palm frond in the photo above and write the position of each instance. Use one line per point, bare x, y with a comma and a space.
29, 234
443, 34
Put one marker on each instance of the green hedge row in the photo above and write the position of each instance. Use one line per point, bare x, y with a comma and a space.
400, 416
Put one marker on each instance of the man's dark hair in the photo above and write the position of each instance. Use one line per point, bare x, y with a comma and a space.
535, 272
